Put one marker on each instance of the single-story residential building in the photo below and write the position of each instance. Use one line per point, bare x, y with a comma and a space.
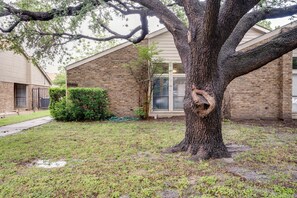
22, 83
262, 94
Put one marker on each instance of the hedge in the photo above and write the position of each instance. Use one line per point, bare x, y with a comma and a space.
82, 104
56, 94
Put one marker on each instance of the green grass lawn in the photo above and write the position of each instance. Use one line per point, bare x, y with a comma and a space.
24, 117
106, 159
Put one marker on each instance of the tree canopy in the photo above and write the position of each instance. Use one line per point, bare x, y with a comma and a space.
45, 27
206, 35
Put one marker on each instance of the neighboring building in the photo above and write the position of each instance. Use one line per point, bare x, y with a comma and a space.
265, 93
51, 76
22, 84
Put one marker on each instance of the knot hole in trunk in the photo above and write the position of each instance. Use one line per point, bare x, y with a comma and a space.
203, 102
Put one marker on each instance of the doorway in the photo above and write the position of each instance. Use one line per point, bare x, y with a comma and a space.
20, 96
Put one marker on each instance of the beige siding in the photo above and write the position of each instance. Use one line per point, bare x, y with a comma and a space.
17, 69
14, 68
168, 51
165, 44
251, 34
37, 77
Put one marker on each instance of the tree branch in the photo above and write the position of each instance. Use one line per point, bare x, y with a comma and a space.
244, 62
70, 36
168, 18
211, 19
25, 15
194, 9
247, 22
230, 13
173, 24
11, 27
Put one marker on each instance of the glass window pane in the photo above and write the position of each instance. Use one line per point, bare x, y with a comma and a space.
294, 98
294, 84
294, 104
178, 92
178, 68
161, 94
294, 63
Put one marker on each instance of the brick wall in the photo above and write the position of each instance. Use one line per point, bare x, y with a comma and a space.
6, 97
108, 72
262, 94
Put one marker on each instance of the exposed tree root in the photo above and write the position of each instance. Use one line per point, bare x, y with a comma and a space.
181, 147
200, 151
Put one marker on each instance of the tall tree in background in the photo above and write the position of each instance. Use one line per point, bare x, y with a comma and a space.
60, 79
206, 44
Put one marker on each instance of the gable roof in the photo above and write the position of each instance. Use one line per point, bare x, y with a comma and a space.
36, 65
27, 57
126, 44
44, 73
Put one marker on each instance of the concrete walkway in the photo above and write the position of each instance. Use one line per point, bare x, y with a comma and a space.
16, 128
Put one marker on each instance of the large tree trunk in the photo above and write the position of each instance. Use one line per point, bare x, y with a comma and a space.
202, 105
203, 136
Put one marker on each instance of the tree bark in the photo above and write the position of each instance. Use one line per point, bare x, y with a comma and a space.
203, 137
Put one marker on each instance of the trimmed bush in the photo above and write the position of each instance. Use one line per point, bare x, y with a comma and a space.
56, 95
82, 104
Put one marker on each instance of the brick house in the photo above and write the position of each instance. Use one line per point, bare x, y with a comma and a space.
21, 82
263, 94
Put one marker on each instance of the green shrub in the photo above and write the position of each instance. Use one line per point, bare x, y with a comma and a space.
61, 111
82, 104
139, 112
56, 95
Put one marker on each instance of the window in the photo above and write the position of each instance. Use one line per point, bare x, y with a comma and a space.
178, 68
161, 68
161, 94
294, 93
294, 63
20, 95
169, 88
178, 92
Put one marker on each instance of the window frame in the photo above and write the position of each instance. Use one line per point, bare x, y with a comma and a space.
170, 75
